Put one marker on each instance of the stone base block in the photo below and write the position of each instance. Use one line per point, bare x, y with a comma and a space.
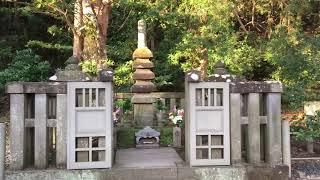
147, 146
143, 114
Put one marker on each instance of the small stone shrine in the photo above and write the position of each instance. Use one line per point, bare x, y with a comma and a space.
147, 138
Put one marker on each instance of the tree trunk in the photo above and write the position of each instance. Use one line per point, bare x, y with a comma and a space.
97, 14
77, 34
204, 62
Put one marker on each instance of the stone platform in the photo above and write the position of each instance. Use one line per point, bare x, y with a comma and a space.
173, 173
155, 164
147, 158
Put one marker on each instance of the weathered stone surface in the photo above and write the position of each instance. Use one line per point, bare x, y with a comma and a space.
143, 114
267, 173
147, 132
36, 87
70, 75
160, 173
105, 75
143, 74
256, 87
142, 53
142, 64
142, 98
176, 133
143, 87
193, 76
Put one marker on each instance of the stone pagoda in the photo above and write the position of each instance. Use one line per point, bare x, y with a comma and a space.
143, 76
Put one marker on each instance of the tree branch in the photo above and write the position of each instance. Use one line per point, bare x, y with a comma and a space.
65, 15
124, 22
240, 22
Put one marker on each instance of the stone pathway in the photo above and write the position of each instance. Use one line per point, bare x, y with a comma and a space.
147, 158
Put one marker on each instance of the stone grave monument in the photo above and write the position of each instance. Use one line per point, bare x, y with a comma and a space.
142, 88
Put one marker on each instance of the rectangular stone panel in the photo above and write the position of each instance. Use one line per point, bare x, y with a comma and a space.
209, 120
87, 123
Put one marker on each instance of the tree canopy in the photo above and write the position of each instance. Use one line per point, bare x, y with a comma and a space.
257, 39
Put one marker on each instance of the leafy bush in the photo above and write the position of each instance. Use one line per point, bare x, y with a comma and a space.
159, 105
25, 66
124, 104
126, 137
306, 128
166, 137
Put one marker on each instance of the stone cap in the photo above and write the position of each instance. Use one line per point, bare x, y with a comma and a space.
147, 132
256, 87
143, 87
36, 87
193, 76
142, 53
105, 75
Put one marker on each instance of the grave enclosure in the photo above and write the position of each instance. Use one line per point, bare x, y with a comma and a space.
233, 128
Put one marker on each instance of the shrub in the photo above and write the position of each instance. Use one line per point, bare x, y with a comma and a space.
166, 136
25, 66
126, 137
307, 128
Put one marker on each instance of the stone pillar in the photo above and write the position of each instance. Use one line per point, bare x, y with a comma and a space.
40, 130
17, 112
177, 137
61, 139
142, 99
2, 148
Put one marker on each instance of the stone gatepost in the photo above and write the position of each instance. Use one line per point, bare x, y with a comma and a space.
142, 98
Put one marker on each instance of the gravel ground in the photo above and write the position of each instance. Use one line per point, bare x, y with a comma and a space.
309, 169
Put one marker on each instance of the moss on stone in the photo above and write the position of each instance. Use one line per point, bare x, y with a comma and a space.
143, 53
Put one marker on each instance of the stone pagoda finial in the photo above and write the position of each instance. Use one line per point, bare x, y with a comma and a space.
142, 34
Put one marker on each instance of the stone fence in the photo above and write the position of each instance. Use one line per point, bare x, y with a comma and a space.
169, 99
38, 116
38, 123
257, 132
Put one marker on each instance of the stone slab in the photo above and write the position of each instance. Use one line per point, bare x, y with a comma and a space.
147, 158
143, 114
311, 107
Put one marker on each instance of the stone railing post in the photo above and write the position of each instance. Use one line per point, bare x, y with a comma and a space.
2, 148
61, 140
253, 128
274, 151
286, 154
40, 129
17, 130
235, 125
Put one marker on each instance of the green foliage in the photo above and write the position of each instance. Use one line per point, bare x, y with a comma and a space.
126, 137
166, 136
261, 40
307, 128
159, 105
124, 104
55, 54
6, 54
90, 67
25, 66
123, 75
